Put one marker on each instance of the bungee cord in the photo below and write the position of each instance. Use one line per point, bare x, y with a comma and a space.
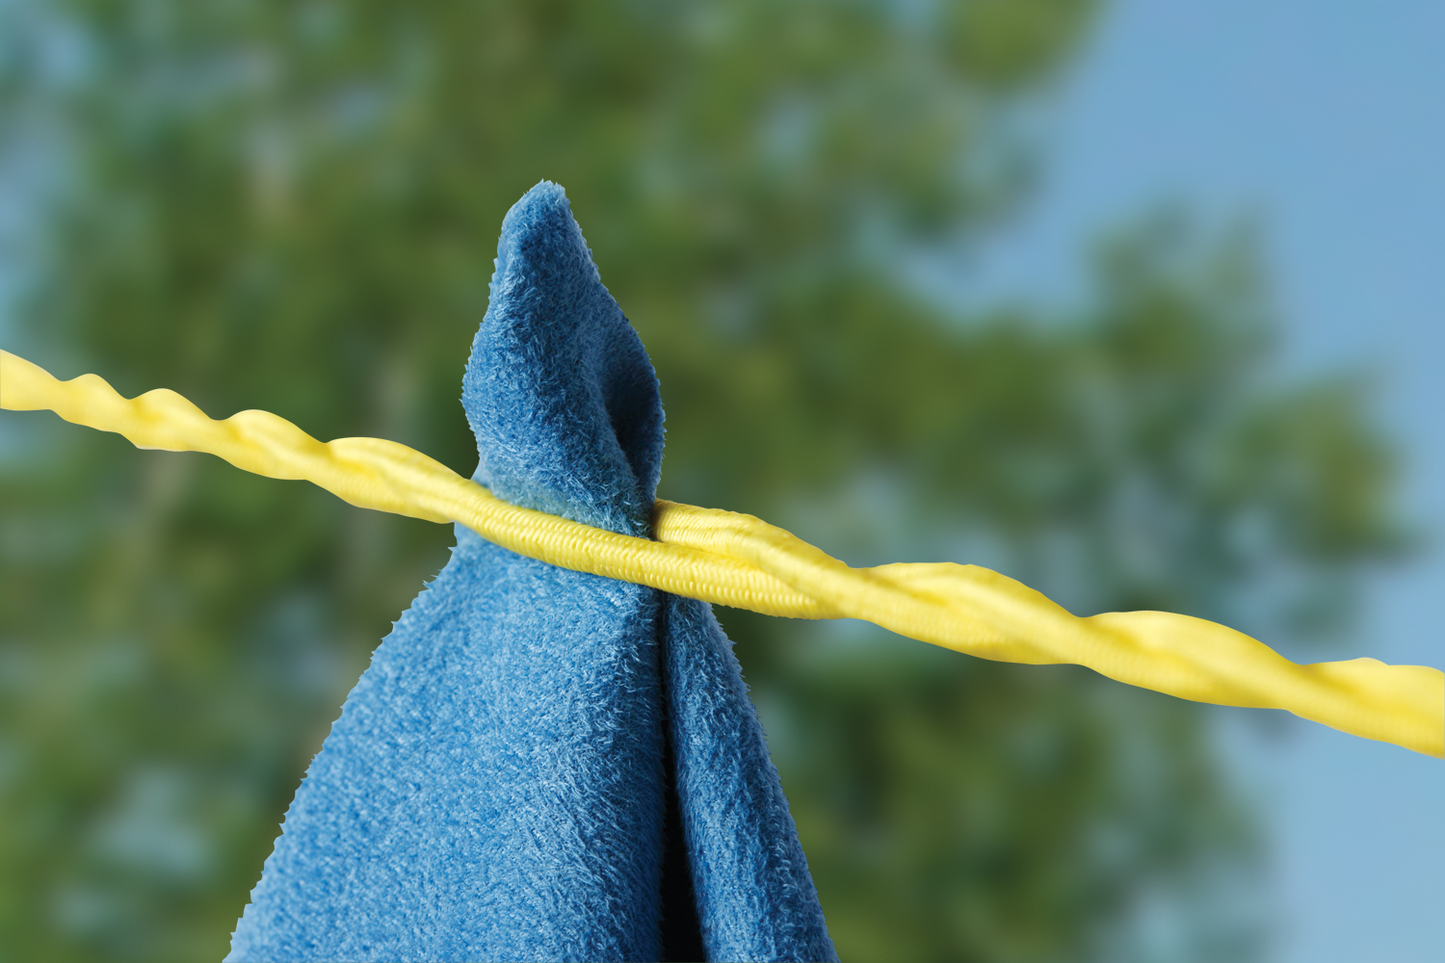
743, 562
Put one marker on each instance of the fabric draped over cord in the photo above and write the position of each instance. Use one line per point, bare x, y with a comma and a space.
554, 756
541, 763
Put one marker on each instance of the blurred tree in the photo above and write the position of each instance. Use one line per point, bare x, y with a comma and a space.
293, 206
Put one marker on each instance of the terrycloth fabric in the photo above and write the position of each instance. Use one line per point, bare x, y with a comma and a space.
541, 764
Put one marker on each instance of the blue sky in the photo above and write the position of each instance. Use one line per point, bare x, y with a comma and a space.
1327, 120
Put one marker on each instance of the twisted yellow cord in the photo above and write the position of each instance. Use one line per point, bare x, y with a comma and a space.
741, 561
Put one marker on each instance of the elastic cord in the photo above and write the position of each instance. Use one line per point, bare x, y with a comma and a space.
742, 562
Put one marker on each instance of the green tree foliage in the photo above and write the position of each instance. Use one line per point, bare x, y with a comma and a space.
294, 206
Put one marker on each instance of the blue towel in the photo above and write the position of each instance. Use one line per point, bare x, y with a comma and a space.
541, 764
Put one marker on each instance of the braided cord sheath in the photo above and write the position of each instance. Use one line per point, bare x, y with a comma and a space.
740, 561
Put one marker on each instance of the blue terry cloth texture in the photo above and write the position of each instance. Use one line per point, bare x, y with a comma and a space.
541, 764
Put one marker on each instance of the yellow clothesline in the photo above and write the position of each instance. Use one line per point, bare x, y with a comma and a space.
741, 561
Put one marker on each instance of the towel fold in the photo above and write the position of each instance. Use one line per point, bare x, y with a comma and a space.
541, 764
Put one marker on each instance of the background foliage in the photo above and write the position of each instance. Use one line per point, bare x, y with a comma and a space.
294, 207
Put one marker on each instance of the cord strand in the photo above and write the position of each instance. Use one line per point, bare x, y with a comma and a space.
743, 562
